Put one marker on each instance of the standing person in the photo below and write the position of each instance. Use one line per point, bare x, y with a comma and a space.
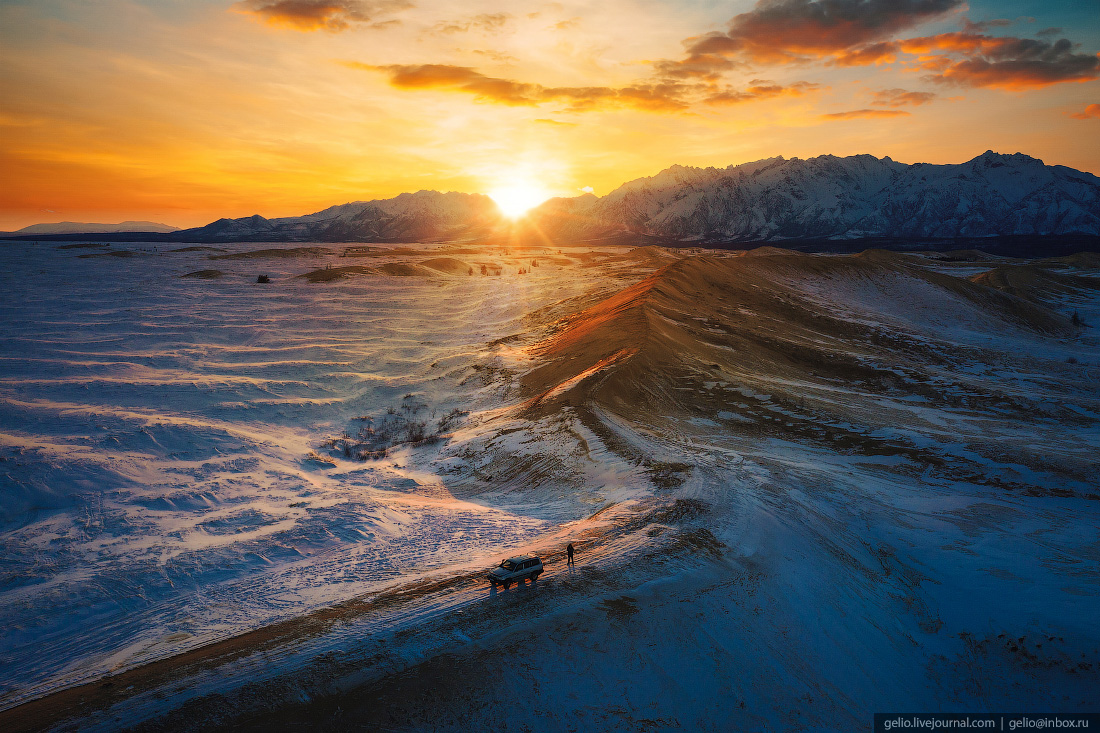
569, 552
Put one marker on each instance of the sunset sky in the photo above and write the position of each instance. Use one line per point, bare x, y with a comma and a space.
185, 111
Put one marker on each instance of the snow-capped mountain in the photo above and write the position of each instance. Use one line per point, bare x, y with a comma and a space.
409, 217
774, 199
76, 227
840, 198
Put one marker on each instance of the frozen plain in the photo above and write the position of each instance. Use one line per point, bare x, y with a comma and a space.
158, 495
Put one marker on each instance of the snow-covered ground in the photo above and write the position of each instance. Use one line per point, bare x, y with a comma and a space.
155, 486
910, 522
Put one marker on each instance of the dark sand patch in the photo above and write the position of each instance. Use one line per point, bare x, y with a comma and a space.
449, 265
197, 249
277, 253
1082, 260
112, 253
382, 252
765, 252
325, 275
965, 255
205, 274
405, 269
1035, 283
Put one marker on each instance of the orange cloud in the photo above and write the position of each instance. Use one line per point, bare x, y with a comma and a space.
877, 53
1092, 112
901, 98
788, 31
761, 89
1002, 62
657, 97
856, 113
326, 15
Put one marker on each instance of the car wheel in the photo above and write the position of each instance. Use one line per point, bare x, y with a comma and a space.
534, 577
507, 583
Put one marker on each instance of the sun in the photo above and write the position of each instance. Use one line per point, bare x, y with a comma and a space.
518, 197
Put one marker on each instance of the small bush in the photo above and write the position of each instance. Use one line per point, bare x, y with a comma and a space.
396, 427
263, 279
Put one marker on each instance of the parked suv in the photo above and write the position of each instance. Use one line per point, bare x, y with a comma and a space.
518, 569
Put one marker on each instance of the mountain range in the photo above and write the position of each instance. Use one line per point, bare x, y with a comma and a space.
80, 227
773, 200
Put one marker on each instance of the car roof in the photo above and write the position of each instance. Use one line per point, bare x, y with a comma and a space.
521, 558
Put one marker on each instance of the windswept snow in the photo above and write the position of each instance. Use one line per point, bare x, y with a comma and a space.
804, 489
155, 486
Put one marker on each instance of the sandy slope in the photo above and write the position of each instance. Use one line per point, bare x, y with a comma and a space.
807, 489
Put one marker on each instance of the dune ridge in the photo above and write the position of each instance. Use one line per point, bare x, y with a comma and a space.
746, 345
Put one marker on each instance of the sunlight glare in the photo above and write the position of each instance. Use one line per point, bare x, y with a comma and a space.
517, 198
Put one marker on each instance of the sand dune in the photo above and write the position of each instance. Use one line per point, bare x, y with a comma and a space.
1035, 283
827, 350
405, 269
195, 249
278, 253
1083, 260
328, 274
111, 253
449, 265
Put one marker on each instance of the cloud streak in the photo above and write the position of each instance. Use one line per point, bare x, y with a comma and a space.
760, 89
901, 98
858, 113
486, 22
654, 97
322, 15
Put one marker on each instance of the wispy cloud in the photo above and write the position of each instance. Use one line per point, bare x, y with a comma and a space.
1091, 112
323, 15
651, 97
759, 89
486, 22
982, 26
857, 113
901, 98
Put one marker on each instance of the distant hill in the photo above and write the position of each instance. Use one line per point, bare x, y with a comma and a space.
77, 227
410, 217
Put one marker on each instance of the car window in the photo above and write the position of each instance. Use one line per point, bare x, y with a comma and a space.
508, 565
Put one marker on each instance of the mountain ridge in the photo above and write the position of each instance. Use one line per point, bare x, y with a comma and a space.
824, 198
81, 227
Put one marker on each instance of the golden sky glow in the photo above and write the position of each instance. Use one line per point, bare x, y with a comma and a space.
185, 112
